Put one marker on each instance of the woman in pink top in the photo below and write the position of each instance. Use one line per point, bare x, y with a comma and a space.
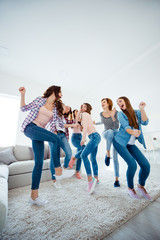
91, 147
43, 110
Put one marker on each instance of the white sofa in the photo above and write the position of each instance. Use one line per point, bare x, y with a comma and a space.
19, 173
4, 171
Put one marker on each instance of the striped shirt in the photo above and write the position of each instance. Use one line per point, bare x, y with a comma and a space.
66, 129
34, 108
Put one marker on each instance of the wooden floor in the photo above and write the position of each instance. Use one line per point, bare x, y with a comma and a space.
144, 226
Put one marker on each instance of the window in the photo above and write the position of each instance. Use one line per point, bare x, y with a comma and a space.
9, 108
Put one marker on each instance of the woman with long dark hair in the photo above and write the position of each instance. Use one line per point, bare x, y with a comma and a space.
43, 110
124, 142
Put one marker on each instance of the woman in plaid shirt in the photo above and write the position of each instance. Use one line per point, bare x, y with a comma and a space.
43, 110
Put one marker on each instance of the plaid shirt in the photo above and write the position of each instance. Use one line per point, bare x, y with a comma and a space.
66, 129
34, 107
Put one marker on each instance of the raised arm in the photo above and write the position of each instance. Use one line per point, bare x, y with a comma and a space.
85, 125
22, 91
144, 117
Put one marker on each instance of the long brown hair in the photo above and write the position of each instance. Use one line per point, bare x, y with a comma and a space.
129, 112
89, 107
68, 115
74, 115
58, 103
109, 101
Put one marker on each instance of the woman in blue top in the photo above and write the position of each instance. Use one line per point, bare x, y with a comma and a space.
124, 142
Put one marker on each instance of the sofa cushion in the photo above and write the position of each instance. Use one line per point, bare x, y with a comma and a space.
21, 167
4, 172
46, 151
7, 156
22, 153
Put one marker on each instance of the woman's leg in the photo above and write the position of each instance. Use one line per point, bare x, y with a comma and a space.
129, 159
66, 148
76, 139
89, 148
38, 149
52, 164
38, 134
108, 135
94, 162
116, 163
143, 163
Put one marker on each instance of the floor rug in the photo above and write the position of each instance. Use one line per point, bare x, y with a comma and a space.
72, 213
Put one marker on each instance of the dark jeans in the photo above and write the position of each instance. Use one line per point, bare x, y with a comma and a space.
131, 154
38, 135
76, 139
64, 144
91, 148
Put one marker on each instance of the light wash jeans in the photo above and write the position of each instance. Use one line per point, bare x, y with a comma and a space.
38, 135
64, 144
108, 135
91, 148
131, 154
76, 139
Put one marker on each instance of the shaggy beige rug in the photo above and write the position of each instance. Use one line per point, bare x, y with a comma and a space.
71, 212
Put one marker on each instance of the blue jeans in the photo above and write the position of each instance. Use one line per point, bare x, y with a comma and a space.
91, 148
131, 154
76, 139
108, 135
38, 135
64, 144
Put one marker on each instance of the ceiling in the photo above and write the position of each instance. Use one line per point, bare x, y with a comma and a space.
78, 44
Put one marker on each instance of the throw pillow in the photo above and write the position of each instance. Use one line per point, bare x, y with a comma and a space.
7, 157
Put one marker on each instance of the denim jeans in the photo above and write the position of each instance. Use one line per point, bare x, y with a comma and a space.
108, 135
131, 154
91, 148
64, 144
76, 139
38, 135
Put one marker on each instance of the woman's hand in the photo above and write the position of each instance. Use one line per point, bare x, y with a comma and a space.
142, 105
82, 143
22, 90
76, 125
136, 133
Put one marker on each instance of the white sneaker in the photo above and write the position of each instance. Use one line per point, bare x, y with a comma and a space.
60, 177
38, 201
57, 185
67, 173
